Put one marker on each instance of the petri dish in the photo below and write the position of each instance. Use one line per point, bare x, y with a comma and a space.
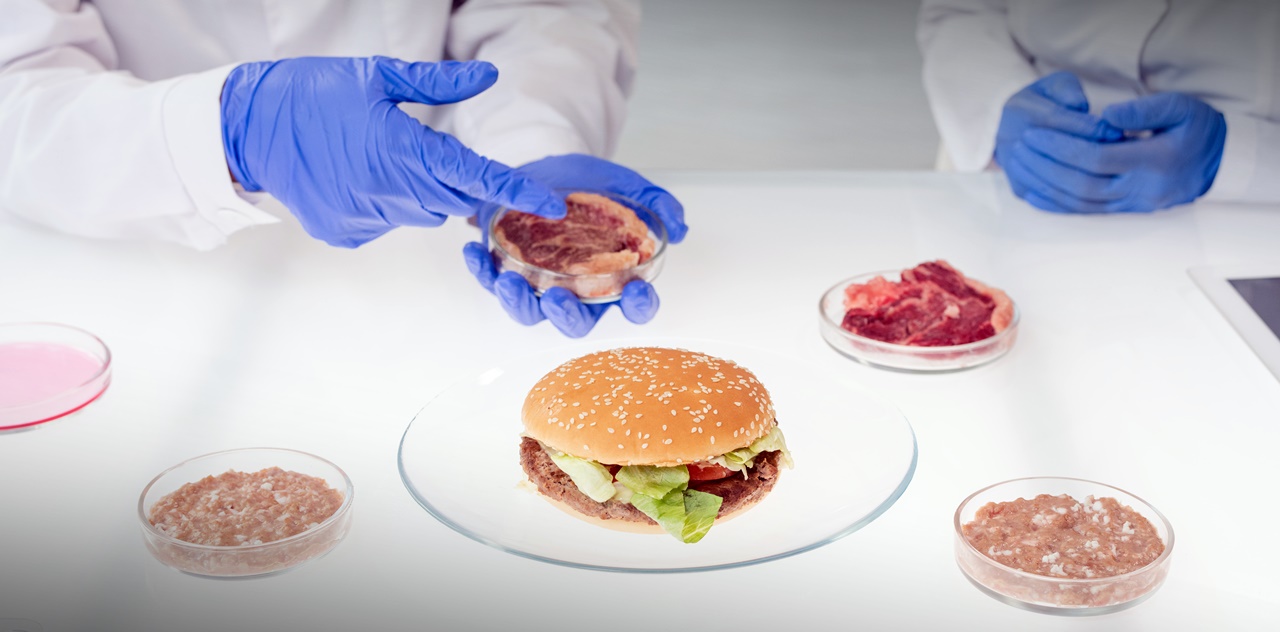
908, 358
1060, 595
854, 454
590, 288
48, 371
249, 559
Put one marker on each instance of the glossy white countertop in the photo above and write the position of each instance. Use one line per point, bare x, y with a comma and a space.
1123, 372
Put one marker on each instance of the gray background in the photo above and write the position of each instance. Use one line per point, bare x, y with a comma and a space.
779, 84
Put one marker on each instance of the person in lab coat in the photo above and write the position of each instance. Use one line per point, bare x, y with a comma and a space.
176, 120
1102, 106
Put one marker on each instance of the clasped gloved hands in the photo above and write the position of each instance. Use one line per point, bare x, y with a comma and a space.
1138, 156
324, 136
639, 301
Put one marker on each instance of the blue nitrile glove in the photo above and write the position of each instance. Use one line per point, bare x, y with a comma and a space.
1055, 101
639, 302
1172, 159
324, 136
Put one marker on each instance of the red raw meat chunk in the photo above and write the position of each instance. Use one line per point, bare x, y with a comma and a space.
597, 236
934, 305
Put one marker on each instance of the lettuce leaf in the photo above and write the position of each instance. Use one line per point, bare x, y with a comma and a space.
667, 511
653, 481
686, 514
773, 442
663, 493
742, 459
700, 509
592, 479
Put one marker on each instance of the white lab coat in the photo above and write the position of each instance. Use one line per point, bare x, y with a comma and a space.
110, 123
978, 53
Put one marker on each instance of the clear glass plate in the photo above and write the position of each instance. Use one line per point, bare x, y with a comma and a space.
854, 455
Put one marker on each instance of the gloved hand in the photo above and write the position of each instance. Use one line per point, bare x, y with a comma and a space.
639, 302
324, 136
1055, 101
1172, 160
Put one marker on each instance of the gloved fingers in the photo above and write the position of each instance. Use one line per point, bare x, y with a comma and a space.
1039, 193
568, 314
459, 168
1155, 112
589, 171
410, 210
1088, 156
1063, 88
517, 298
433, 83
1086, 186
480, 264
484, 216
1080, 124
639, 302
668, 209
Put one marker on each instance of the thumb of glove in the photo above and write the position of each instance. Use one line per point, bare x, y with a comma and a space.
1064, 88
434, 83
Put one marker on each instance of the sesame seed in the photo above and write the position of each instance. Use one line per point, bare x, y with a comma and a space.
643, 446
667, 442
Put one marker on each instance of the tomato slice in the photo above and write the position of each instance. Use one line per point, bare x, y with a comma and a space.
708, 472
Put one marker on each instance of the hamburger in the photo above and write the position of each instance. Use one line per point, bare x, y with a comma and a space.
652, 439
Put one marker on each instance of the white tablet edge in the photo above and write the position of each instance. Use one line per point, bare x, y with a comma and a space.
1213, 281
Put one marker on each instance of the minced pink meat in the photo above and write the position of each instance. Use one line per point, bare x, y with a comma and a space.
240, 509
1058, 536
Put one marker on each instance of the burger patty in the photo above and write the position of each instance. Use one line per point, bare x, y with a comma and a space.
736, 491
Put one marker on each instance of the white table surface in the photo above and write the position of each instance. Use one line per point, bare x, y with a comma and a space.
1124, 373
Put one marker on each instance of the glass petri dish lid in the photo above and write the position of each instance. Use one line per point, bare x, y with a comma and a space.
590, 288
250, 558
908, 358
49, 371
1061, 595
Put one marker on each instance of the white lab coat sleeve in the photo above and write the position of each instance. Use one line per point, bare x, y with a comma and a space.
92, 151
565, 69
971, 67
1250, 167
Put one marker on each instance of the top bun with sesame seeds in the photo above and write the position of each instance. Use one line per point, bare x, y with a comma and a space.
648, 406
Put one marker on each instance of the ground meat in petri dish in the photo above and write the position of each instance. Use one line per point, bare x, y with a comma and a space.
1058, 536
596, 236
933, 305
242, 509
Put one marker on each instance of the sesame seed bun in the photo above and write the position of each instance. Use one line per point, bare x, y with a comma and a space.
648, 406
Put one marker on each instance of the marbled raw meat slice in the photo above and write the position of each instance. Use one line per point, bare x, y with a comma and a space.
596, 236
933, 305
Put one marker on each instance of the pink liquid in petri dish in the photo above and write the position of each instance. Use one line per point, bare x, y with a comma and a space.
34, 372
